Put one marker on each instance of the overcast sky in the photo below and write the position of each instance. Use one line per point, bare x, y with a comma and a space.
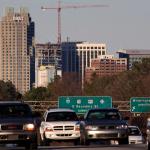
124, 24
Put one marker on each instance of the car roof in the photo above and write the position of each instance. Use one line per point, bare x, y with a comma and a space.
60, 110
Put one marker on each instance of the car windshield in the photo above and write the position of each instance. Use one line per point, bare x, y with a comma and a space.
134, 131
107, 115
15, 110
62, 116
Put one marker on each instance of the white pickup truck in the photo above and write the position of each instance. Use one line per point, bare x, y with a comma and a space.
60, 125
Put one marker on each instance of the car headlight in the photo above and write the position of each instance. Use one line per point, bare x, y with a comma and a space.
91, 127
48, 129
123, 126
29, 127
77, 128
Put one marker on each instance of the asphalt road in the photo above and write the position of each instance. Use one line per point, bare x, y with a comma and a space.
91, 147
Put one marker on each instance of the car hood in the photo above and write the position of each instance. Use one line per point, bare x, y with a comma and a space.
105, 122
61, 123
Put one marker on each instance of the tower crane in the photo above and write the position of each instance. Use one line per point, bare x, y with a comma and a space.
59, 8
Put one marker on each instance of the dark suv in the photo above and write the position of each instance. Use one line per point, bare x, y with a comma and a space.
18, 124
103, 124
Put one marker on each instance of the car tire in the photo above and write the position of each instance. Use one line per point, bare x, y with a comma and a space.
77, 142
31, 146
148, 146
84, 140
123, 141
45, 142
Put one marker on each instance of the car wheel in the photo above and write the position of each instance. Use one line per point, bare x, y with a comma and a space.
77, 142
31, 146
148, 146
123, 141
84, 140
45, 141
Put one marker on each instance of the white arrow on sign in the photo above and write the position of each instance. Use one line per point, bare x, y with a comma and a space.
133, 108
102, 101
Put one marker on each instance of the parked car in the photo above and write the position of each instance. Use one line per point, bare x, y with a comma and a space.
135, 135
18, 124
60, 125
103, 124
148, 134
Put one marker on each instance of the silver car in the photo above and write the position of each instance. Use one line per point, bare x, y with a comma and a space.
135, 135
103, 124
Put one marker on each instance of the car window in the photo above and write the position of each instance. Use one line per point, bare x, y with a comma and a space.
134, 131
62, 116
97, 115
15, 110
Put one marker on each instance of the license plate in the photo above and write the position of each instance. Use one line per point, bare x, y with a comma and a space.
12, 137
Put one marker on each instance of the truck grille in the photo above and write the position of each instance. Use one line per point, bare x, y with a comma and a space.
11, 127
113, 135
106, 127
64, 134
63, 128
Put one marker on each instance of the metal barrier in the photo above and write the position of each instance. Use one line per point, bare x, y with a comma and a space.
41, 106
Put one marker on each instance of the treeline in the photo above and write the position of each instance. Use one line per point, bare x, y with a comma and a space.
132, 83
8, 91
121, 87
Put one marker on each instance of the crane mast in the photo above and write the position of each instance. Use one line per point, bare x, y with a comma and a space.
59, 8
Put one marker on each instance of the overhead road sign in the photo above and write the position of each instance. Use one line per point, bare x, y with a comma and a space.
140, 104
80, 104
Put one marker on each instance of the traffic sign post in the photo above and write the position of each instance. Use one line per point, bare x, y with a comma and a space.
80, 104
140, 104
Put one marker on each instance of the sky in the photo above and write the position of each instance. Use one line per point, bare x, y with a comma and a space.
124, 24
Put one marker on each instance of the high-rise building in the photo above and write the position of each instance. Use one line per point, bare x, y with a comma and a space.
45, 75
47, 54
17, 53
76, 56
133, 55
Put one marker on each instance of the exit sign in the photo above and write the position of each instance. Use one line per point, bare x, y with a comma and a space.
80, 104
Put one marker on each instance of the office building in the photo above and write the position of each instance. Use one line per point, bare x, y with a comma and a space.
45, 75
76, 56
105, 66
17, 53
48, 54
133, 55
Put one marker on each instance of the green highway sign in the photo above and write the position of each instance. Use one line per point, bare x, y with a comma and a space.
140, 104
80, 104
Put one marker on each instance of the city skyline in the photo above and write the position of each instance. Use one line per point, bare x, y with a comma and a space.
124, 24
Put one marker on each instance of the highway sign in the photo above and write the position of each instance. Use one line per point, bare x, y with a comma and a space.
140, 104
80, 104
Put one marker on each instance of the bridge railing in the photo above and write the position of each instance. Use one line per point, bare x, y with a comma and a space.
41, 106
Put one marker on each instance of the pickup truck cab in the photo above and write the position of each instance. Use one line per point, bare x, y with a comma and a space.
59, 125
103, 124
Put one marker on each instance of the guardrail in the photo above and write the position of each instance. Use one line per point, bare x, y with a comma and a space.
41, 106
